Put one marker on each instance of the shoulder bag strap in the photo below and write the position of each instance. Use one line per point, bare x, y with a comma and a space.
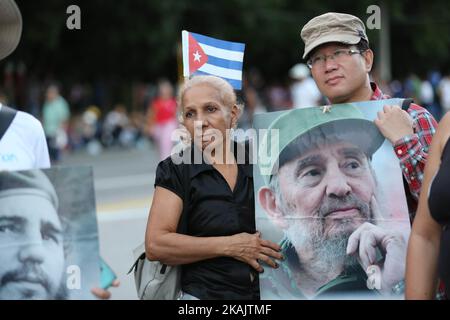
7, 116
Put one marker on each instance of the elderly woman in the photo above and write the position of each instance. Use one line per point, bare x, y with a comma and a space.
221, 252
429, 244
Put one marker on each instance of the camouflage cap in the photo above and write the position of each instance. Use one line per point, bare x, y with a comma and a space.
332, 27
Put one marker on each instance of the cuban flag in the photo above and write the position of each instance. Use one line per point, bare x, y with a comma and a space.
206, 55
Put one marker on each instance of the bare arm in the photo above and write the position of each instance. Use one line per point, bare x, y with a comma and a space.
164, 244
424, 241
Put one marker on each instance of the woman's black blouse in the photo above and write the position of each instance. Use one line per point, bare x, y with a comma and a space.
213, 210
439, 204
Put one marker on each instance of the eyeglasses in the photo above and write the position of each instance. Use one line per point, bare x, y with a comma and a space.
338, 56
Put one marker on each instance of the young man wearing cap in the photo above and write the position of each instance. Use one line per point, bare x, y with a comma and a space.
338, 54
23, 144
322, 192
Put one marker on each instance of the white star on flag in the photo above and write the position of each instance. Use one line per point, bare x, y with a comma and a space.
197, 56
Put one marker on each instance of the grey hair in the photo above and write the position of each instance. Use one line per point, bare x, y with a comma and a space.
226, 92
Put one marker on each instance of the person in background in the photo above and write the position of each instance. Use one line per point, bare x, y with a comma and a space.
56, 114
444, 93
115, 123
304, 91
162, 118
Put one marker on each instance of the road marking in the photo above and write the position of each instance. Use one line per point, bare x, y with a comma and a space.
123, 182
124, 215
142, 203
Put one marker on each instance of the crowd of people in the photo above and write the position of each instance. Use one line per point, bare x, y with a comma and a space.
71, 125
76, 118
77, 122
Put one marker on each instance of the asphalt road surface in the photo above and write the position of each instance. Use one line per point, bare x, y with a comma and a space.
123, 180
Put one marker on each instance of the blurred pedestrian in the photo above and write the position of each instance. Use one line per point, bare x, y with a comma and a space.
427, 98
115, 122
444, 93
253, 105
162, 118
56, 114
90, 129
304, 91
278, 97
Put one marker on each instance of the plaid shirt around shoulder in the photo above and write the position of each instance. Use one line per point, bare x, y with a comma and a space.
412, 150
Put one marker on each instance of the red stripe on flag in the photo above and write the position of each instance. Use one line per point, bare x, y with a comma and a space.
197, 56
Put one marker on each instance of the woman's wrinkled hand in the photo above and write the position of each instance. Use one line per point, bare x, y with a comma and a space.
252, 249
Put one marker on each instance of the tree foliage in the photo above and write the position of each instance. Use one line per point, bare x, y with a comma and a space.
136, 40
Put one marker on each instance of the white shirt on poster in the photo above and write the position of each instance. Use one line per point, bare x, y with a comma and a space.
23, 145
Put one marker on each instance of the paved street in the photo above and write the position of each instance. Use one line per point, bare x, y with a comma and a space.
123, 187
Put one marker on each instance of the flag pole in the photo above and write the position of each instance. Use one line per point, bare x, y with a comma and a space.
185, 51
